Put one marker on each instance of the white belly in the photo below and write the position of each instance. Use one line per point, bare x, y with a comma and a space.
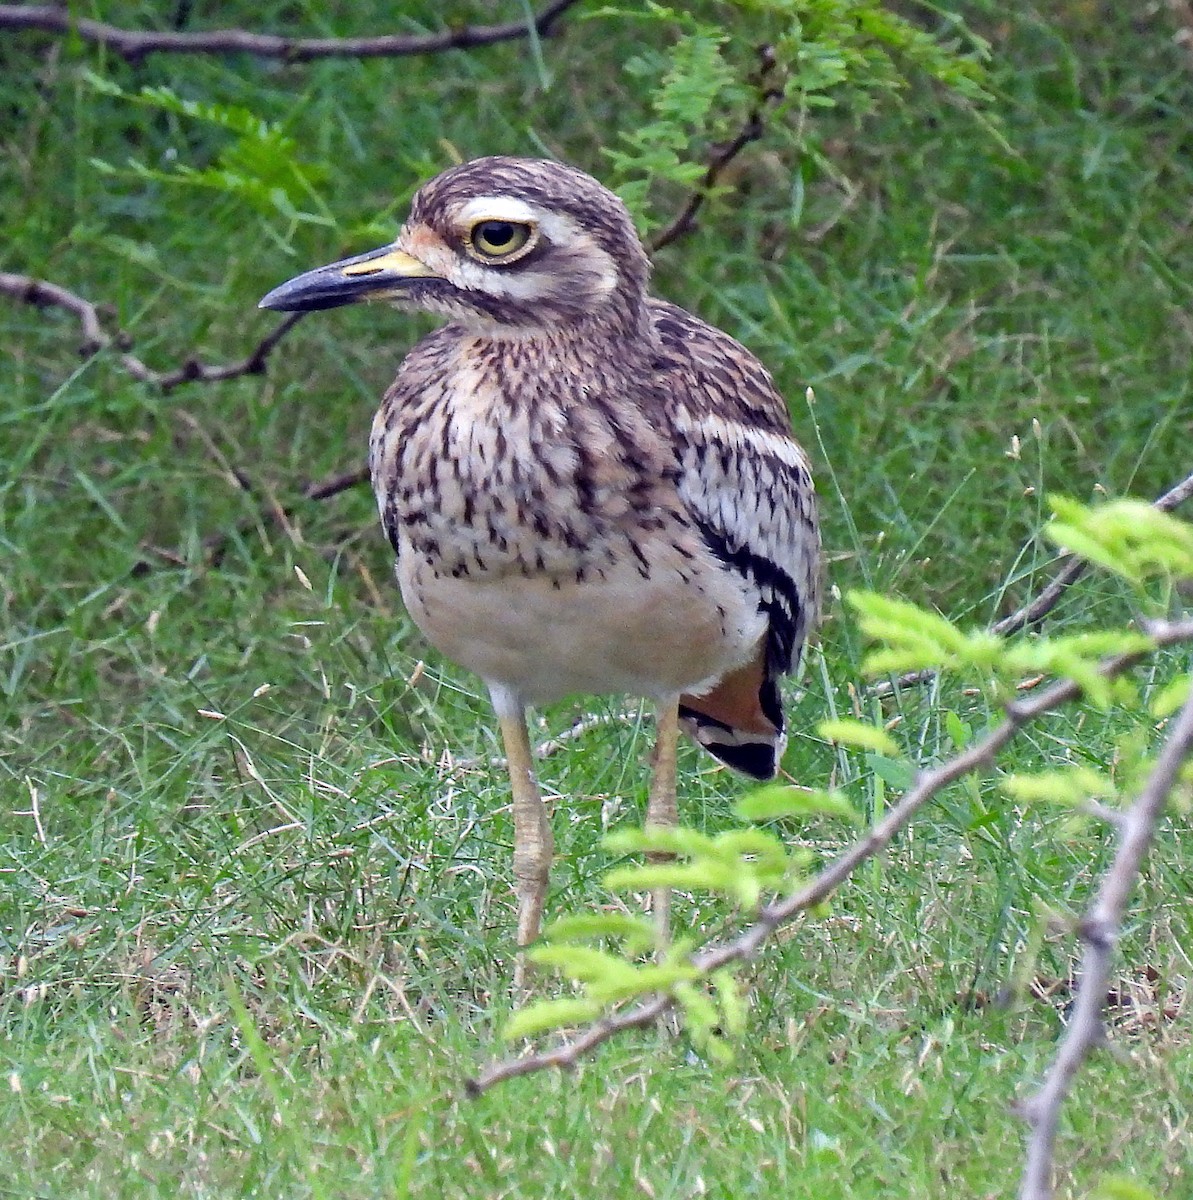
542, 639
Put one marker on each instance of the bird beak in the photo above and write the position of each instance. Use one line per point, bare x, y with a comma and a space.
377, 275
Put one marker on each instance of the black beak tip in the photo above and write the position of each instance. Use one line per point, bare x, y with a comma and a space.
275, 300
291, 298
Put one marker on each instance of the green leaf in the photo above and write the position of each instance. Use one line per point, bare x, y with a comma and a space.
584, 963
1171, 696
1070, 787
892, 771
659, 841
850, 732
756, 846
699, 1010
551, 1014
731, 1000
637, 932
1077, 657
707, 874
703, 1017
912, 638
1129, 537
779, 800
960, 734
663, 977
1120, 1187
260, 164
884, 618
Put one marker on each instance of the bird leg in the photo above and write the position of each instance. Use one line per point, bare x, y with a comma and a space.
662, 809
533, 843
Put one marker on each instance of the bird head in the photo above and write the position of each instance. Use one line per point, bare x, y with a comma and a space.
509, 246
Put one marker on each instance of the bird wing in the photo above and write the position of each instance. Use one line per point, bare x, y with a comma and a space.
747, 488
743, 478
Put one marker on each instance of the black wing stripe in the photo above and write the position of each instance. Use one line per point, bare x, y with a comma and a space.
779, 598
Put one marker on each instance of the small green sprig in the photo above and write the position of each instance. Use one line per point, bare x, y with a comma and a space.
1149, 549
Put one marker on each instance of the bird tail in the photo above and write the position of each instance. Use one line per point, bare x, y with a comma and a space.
739, 720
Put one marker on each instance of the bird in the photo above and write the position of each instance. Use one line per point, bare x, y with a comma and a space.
589, 489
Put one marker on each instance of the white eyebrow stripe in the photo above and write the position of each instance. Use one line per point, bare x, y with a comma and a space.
559, 228
477, 277
498, 208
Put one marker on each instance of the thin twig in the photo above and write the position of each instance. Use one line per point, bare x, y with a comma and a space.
1041, 605
1100, 931
215, 545
253, 363
135, 44
722, 155
336, 484
1048, 599
43, 294
773, 916
545, 749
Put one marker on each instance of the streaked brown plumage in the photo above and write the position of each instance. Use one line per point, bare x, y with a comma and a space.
588, 489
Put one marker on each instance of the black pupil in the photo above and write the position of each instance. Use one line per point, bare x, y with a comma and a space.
497, 233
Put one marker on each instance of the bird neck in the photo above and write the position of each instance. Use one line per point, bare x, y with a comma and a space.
621, 324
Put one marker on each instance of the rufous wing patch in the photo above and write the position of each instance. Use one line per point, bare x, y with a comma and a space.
736, 700
739, 720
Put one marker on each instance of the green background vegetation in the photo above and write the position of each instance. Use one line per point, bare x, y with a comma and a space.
260, 934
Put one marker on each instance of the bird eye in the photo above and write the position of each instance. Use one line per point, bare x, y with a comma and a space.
498, 239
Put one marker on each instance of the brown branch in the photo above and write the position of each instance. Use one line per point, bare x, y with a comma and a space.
215, 546
253, 363
134, 45
1041, 605
1100, 930
816, 891
336, 484
722, 155
1048, 599
43, 294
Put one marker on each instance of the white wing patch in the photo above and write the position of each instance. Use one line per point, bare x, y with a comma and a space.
751, 491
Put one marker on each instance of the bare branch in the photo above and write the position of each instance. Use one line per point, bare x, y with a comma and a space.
818, 889
134, 45
44, 294
336, 484
751, 130
215, 545
1048, 599
1100, 931
253, 363
1039, 607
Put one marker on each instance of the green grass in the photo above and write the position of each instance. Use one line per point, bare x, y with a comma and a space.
258, 952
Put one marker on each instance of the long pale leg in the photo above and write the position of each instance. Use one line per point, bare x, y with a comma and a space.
662, 809
533, 843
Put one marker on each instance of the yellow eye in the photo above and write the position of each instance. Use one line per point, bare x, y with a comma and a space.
498, 239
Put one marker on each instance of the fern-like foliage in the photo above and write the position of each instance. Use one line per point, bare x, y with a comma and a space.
259, 165
725, 65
